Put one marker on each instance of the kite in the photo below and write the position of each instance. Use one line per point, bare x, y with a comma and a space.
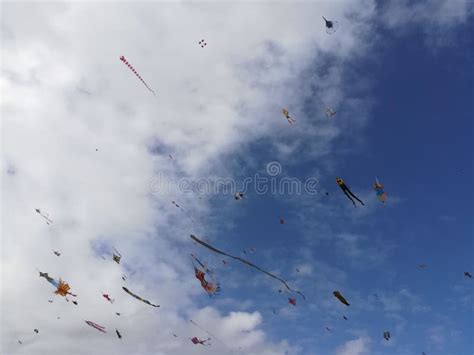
338, 295
331, 26
381, 194
195, 341
328, 329
210, 247
208, 332
118, 334
75, 302
57, 253
124, 277
50, 301
36, 331
422, 266
117, 313
282, 221
62, 288
212, 288
45, 216
122, 58
139, 298
19, 341
202, 43
116, 257
107, 297
467, 274
183, 210
238, 196
292, 301
345, 318
297, 270
347, 192
249, 250
290, 119
96, 326
386, 335
330, 112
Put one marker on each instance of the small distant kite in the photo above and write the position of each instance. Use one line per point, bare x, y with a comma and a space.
19, 341
96, 326
138, 297
57, 253
210, 247
75, 302
422, 266
202, 43
107, 297
196, 341
297, 270
124, 277
338, 295
467, 274
211, 287
124, 60
36, 331
50, 301
282, 221
330, 112
386, 335
381, 194
62, 288
45, 216
239, 195
249, 250
345, 318
290, 119
328, 329
116, 256
331, 26
183, 210
117, 313
292, 301
347, 192
118, 334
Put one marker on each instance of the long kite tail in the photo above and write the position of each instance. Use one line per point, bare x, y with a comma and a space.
124, 60
210, 247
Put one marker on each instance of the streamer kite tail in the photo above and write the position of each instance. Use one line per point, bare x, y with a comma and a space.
248, 263
125, 61
139, 298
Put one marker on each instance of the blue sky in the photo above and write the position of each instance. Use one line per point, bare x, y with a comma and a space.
398, 73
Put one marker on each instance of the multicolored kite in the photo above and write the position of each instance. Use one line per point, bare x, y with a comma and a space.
381, 194
62, 288
290, 119
212, 288
138, 297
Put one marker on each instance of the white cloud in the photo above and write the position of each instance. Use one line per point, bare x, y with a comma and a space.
357, 346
